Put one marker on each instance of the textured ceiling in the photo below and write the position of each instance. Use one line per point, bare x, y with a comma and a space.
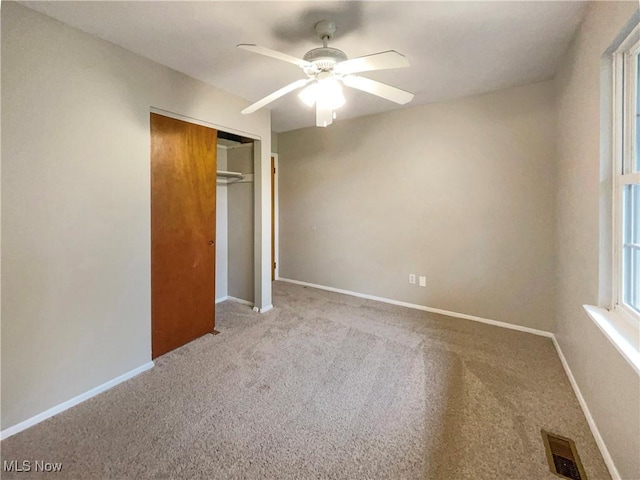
455, 48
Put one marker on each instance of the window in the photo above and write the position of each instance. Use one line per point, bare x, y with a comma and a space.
618, 316
626, 189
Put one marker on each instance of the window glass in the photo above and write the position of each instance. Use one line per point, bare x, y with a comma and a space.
631, 246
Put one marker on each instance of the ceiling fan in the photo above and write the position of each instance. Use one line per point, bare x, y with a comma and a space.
327, 69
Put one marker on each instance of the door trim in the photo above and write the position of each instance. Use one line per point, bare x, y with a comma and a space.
276, 214
203, 123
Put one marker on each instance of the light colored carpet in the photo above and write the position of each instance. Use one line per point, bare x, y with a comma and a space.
325, 386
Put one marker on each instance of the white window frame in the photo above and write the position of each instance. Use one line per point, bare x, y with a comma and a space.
625, 77
618, 322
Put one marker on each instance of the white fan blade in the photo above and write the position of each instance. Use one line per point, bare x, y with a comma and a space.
376, 61
377, 88
272, 53
324, 116
275, 95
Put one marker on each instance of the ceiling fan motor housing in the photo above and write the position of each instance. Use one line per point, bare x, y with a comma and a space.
324, 58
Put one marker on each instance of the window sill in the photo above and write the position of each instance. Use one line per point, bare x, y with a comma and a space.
624, 335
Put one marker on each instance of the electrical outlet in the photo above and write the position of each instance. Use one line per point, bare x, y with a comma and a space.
423, 281
412, 278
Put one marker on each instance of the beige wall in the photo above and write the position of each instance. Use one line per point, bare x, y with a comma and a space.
610, 386
75, 205
460, 191
240, 217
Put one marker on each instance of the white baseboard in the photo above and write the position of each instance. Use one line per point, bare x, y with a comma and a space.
221, 299
7, 432
266, 309
608, 460
424, 308
110, 384
615, 475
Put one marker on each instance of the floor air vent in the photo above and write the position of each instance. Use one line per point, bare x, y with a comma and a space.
563, 457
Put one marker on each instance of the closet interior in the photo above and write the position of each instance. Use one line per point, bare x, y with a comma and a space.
235, 219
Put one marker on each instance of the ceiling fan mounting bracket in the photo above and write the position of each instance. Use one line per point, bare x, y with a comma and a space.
325, 30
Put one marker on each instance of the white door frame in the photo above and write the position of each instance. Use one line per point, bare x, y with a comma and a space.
276, 221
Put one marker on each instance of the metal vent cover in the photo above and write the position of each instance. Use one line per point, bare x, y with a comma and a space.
563, 457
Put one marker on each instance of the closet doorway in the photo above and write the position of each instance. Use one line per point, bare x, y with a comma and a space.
183, 232
235, 222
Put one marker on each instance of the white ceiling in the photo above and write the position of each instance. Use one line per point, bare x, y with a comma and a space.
455, 48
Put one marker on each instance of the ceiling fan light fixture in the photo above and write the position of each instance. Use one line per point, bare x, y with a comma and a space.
327, 93
330, 93
309, 95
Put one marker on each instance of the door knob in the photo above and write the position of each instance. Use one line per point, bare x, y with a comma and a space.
211, 242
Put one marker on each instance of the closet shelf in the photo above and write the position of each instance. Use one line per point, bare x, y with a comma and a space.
225, 174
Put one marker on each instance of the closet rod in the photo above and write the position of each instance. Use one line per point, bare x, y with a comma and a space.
224, 173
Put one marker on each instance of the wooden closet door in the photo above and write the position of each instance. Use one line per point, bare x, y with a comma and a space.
183, 222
